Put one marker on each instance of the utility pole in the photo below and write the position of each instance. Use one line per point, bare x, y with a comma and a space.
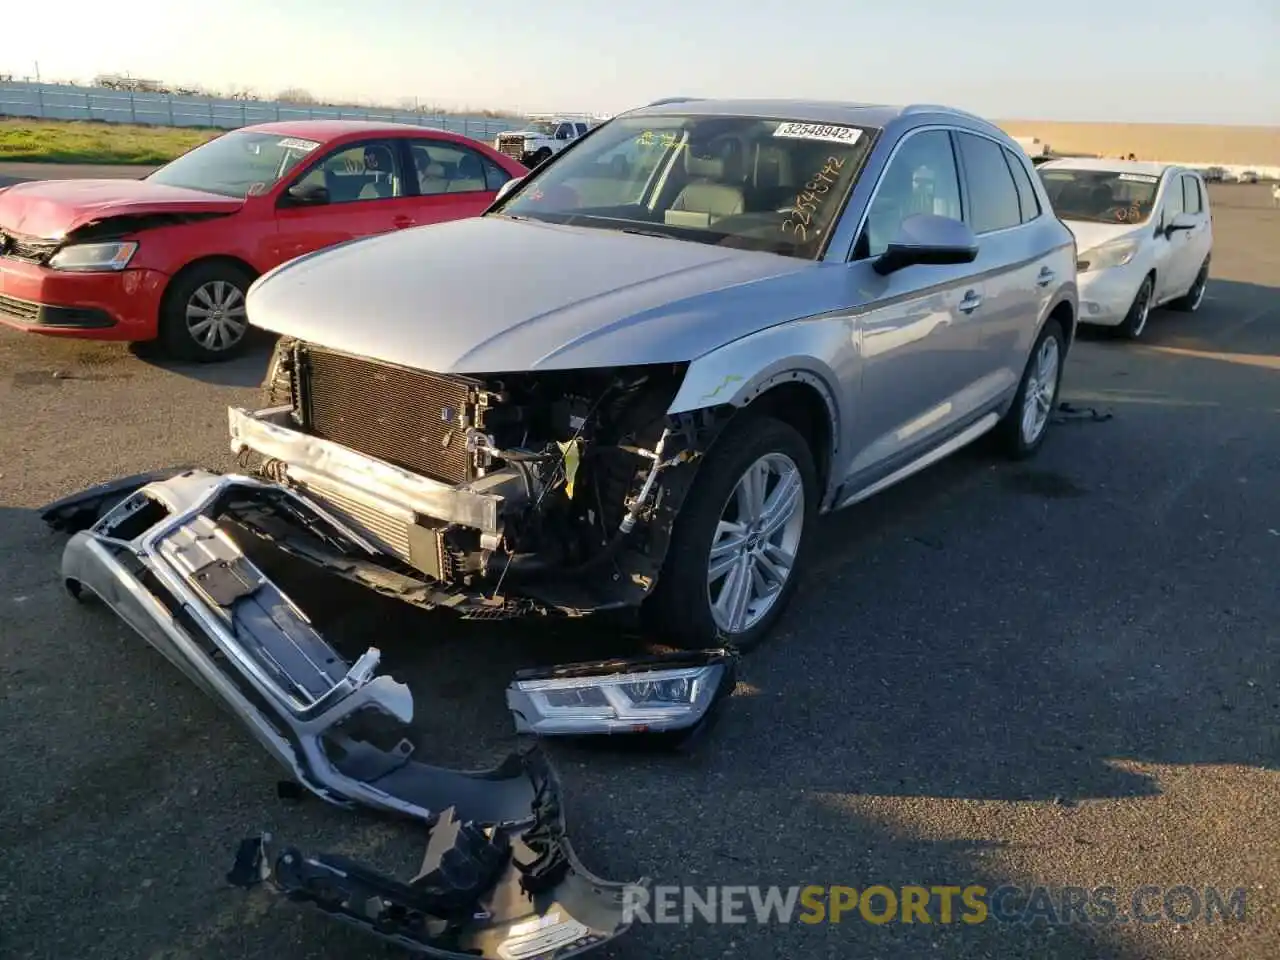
37, 71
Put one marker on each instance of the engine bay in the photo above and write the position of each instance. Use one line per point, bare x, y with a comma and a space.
584, 463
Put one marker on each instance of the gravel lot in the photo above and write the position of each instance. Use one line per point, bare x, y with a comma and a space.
1062, 672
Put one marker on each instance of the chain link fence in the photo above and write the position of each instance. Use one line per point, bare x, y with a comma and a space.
56, 102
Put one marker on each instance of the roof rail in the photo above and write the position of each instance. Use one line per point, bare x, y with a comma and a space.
940, 108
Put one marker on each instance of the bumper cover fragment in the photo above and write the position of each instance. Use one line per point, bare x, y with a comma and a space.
506, 892
160, 559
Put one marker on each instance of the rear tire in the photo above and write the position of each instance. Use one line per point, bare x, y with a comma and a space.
1191, 300
1135, 321
692, 605
1023, 429
202, 317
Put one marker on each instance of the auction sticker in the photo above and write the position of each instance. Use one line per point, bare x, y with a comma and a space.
819, 131
1138, 178
292, 143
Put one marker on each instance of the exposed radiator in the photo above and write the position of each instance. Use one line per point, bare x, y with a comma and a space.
404, 417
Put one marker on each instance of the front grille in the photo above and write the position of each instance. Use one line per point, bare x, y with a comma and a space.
404, 417
513, 147
32, 249
20, 310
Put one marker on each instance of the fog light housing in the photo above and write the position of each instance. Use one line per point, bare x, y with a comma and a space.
659, 694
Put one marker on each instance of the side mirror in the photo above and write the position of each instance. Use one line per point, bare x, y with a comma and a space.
1181, 221
562, 135
507, 188
929, 240
310, 195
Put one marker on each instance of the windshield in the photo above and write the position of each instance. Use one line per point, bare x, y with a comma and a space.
236, 164
769, 185
1101, 196
541, 126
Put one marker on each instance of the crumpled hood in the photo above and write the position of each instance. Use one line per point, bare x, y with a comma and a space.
1089, 234
492, 295
50, 209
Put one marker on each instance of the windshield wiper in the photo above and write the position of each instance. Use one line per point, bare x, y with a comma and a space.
647, 233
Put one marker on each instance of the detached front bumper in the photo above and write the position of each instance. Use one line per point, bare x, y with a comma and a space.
160, 560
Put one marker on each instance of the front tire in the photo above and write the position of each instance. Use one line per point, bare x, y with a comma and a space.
740, 539
1191, 300
203, 316
1023, 428
1135, 321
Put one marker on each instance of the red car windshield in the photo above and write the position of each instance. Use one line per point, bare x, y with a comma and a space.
236, 164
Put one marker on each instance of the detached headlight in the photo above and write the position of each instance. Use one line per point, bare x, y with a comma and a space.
1116, 253
94, 256
619, 696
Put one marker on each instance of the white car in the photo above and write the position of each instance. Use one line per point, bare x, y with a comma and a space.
1144, 236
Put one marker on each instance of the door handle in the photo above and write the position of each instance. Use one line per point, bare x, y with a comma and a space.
1045, 278
971, 302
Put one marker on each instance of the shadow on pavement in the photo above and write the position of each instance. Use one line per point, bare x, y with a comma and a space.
246, 370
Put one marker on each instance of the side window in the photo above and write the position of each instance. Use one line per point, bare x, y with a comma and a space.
1174, 201
581, 128
921, 178
993, 197
1191, 194
1028, 202
443, 167
364, 171
564, 131
494, 175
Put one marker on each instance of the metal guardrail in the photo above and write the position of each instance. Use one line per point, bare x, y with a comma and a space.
57, 102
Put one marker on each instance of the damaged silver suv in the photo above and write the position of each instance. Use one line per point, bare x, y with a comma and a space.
639, 377
643, 373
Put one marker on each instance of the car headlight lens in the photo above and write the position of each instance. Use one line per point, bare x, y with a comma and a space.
1116, 253
636, 701
94, 256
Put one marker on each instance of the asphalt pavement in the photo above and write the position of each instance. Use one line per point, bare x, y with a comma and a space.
1062, 672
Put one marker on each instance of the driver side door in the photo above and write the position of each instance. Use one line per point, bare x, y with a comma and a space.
368, 194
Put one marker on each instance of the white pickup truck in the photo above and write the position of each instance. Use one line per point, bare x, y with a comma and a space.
536, 143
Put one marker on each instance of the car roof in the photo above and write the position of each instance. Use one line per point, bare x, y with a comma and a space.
325, 130
1106, 165
805, 111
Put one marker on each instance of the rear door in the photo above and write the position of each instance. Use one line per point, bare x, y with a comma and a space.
1001, 208
367, 194
452, 180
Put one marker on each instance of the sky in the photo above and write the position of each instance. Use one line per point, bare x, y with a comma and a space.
1142, 60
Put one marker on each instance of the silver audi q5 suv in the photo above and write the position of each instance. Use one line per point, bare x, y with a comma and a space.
640, 378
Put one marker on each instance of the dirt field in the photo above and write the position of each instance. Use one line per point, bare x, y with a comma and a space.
1189, 142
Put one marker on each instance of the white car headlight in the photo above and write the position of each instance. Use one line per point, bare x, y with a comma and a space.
94, 256
583, 702
1115, 253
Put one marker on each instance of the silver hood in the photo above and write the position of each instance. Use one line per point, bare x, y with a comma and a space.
491, 295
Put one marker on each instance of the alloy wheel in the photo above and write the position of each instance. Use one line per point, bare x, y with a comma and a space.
1041, 390
755, 544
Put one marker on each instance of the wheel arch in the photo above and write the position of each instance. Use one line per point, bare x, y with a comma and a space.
225, 258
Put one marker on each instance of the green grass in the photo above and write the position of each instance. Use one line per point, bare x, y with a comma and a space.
77, 141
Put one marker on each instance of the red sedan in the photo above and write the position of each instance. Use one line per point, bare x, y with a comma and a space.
172, 255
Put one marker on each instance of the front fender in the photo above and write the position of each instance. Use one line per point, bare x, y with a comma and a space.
822, 353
